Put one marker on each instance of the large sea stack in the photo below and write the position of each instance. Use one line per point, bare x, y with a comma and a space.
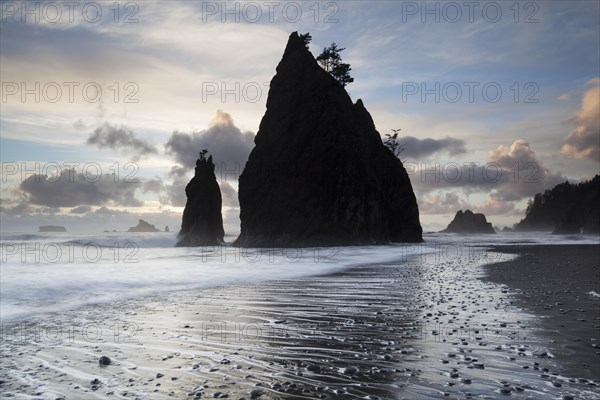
202, 223
319, 174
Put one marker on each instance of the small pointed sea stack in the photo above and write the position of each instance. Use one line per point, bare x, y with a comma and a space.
202, 223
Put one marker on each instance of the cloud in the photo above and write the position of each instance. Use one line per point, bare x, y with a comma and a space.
108, 136
70, 189
418, 148
511, 173
174, 193
584, 140
442, 203
153, 185
229, 195
225, 141
22, 207
111, 212
593, 82
522, 171
495, 205
564, 96
81, 209
229, 147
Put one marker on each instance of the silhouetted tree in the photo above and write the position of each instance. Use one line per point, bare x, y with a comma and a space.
393, 143
331, 61
202, 155
546, 209
306, 38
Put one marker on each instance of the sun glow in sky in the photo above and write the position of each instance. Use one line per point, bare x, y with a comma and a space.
496, 101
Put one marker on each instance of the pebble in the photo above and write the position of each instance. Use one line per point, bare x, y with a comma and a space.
351, 371
104, 361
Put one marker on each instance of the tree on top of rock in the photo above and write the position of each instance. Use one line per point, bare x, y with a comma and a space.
393, 143
306, 38
202, 155
331, 61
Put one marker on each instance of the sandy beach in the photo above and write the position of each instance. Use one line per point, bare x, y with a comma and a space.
426, 328
561, 286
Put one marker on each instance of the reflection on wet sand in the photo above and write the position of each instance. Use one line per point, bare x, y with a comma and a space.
427, 328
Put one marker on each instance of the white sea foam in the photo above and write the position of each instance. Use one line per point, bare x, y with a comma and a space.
46, 273
55, 273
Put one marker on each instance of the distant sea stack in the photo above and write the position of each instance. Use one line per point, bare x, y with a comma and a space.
468, 222
565, 209
143, 226
319, 174
52, 228
202, 223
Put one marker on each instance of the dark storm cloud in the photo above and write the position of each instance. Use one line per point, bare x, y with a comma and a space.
416, 148
70, 189
224, 141
108, 136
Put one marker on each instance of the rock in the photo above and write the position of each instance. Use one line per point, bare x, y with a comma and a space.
104, 361
52, 228
202, 223
319, 174
507, 229
468, 222
143, 226
351, 371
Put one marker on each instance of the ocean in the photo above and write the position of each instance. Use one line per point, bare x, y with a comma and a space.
375, 322
47, 273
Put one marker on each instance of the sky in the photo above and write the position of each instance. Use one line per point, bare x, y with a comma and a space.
105, 105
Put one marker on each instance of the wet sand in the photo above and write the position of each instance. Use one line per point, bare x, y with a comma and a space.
423, 329
558, 284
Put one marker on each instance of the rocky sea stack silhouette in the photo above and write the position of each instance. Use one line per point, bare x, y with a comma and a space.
319, 174
468, 222
143, 226
202, 223
51, 228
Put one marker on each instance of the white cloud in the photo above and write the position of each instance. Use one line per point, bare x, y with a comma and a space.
584, 140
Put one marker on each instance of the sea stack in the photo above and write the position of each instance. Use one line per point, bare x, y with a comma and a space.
319, 174
52, 228
202, 223
143, 226
468, 222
